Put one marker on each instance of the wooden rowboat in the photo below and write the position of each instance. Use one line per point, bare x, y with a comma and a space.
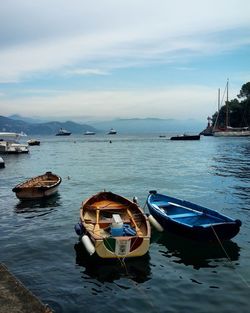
113, 227
191, 220
38, 187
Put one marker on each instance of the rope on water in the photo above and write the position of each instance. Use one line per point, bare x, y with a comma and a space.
229, 259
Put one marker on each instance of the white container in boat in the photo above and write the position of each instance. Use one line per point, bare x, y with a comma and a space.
117, 225
117, 221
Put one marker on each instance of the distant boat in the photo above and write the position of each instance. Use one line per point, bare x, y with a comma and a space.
185, 137
9, 143
112, 226
33, 142
2, 164
112, 131
38, 187
63, 132
227, 130
88, 132
191, 220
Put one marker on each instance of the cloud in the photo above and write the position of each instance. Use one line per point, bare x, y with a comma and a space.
59, 35
182, 102
50, 48
87, 71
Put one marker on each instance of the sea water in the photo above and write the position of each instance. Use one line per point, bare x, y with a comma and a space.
39, 245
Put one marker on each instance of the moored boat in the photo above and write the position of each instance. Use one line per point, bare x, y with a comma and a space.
63, 132
112, 131
33, 142
88, 133
9, 143
185, 137
41, 186
227, 130
113, 227
191, 220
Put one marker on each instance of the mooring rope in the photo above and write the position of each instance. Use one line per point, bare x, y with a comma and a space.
229, 259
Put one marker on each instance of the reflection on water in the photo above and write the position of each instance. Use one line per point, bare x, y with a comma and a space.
198, 255
243, 193
38, 207
233, 161
106, 270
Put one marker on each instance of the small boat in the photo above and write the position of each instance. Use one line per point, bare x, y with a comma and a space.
185, 137
9, 143
38, 187
88, 132
2, 164
63, 132
191, 220
112, 131
112, 226
33, 142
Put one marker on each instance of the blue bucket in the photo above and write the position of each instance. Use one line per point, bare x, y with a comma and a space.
116, 232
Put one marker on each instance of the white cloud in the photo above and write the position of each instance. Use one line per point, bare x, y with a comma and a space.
52, 35
182, 102
87, 71
63, 38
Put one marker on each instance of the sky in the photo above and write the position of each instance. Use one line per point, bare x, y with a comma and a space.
103, 59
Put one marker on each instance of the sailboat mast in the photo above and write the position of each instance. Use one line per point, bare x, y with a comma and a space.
227, 115
219, 100
217, 117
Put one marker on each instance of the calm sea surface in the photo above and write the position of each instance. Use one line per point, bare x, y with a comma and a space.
39, 245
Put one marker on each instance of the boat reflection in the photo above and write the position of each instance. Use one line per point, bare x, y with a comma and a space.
38, 207
109, 270
196, 254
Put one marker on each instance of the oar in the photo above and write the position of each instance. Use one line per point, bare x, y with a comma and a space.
97, 226
133, 220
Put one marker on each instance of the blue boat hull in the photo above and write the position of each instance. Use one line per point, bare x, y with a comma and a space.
190, 220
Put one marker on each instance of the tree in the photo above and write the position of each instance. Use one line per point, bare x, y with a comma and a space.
245, 91
239, 111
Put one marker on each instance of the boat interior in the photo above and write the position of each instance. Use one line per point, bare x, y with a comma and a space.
187, 215
45, 180
98, 217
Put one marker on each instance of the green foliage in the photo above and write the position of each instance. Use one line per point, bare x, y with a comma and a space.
238, 111
245, 91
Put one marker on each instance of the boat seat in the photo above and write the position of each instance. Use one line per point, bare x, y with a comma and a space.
48, 181
161, 204
189, 214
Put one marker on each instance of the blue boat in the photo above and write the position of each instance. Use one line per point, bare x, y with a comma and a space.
191, 220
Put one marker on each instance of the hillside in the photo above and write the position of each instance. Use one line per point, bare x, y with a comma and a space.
49, 128
136, 125
150, 125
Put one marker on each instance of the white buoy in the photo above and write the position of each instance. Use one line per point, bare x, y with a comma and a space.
88, 244
154, 223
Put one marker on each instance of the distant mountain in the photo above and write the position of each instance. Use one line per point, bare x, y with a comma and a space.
49, 128
26, 119
150, 125
135, 125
